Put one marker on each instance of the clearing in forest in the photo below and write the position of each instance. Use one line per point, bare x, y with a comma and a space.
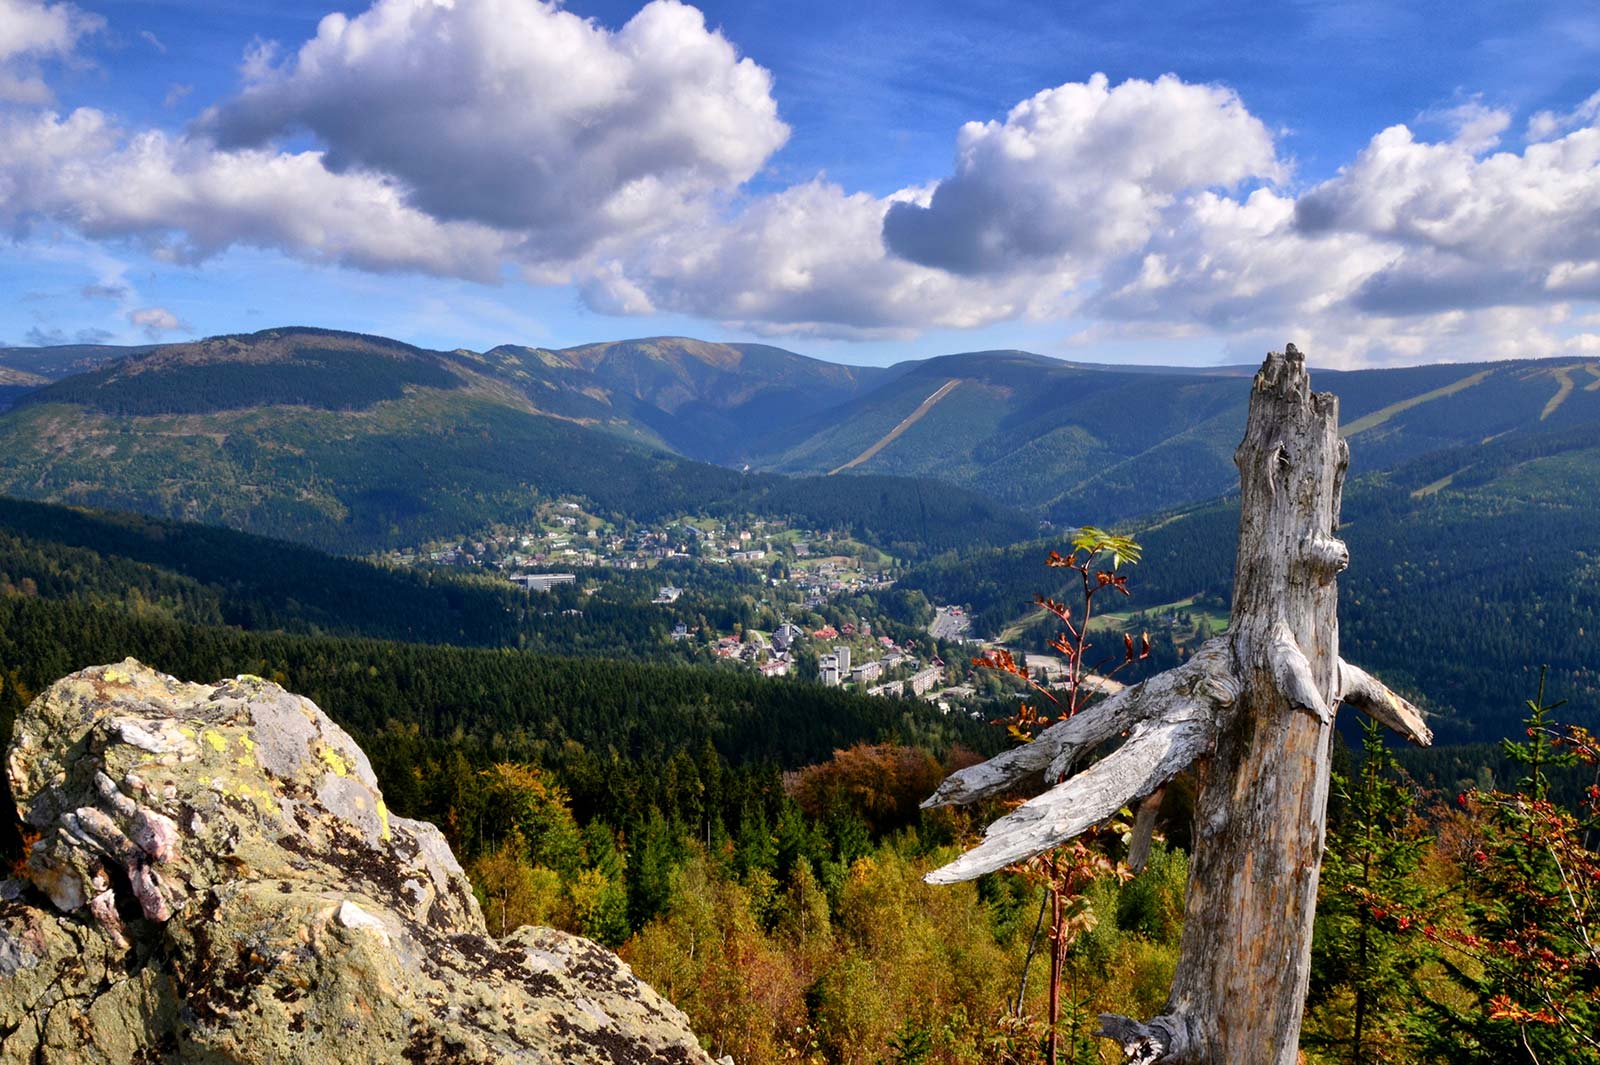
894, 434
1378, 417
1563, 390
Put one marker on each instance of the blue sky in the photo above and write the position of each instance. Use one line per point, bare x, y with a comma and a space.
1381, 182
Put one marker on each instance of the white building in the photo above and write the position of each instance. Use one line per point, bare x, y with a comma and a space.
828, 670
542, 582
785, 635
842, 653
924, 680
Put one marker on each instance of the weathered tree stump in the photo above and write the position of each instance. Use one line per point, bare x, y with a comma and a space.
1252, 712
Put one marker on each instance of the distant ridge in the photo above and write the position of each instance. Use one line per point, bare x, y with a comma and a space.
1065, 440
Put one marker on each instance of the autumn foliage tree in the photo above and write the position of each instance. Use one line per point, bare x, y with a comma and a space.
881, 783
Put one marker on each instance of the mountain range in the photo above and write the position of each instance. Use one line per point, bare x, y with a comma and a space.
321, 435
354, 443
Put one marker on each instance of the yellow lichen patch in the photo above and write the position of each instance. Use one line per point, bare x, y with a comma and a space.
113, 675
260, 797
218, 741
249, 744
334, 760
383, 821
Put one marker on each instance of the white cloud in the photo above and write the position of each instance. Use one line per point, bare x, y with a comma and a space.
1081, 171
1546, 124
1475, 127
187, 201
1499, 230
31, 31
811, 260
521, 115
1074, 176
156, 321
1416, 252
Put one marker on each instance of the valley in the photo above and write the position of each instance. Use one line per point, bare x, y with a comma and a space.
894, 493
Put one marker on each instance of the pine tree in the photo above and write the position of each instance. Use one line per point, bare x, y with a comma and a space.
1371, 909
1529, 960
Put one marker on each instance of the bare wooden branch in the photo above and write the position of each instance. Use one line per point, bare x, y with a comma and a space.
1087, 730
1163, 1039
1156, 750
1144, 828
1053, 752
1292, 672
1368, 694
1208, 675
1327, 556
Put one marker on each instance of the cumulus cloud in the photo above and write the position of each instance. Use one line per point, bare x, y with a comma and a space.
1073, 177
1417, 250
1472, 231
1546, 124
156, 321
187, 200
30, 31
1083, 170
809, 259
521, 115
1474, 126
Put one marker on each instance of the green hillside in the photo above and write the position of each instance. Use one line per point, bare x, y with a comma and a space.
287, 367
716, 402
1058, 439
204, 575
353, 444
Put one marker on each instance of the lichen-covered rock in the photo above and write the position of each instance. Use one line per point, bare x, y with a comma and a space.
217, 879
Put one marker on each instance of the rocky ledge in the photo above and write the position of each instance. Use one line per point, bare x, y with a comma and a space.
215, 879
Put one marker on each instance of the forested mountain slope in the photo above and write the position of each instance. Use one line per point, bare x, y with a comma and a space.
1051, 436
354, 443
1057, 438
59, 360
1096, 444
715, 402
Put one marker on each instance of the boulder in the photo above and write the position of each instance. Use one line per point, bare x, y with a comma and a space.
213, 877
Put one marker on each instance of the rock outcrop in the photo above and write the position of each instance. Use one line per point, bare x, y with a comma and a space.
216, 879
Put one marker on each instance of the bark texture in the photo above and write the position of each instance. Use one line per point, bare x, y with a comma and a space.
1252, 713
